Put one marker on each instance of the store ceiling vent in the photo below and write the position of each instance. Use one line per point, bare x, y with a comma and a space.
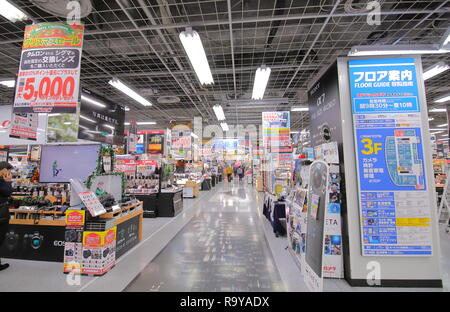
59, 7
168, 100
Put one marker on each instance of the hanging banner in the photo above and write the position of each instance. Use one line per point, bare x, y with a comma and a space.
132, 138
49, 74
394, 203
276, 132
155, 142
181, 139
101, 120
24, 126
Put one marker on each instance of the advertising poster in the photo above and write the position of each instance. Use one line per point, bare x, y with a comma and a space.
101, 120
49, 74
155, 142
3, 155
318, 199
62, 128
324, 111
6, 127
277, 132
24, 126
181, 139
132, 137
394, 204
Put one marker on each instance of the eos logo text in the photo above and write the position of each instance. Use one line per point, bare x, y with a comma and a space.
59, 243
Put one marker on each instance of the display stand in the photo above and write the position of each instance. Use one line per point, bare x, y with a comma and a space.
444, 204
170, 203
150, 202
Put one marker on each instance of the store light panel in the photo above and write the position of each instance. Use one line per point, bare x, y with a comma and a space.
438, 110
87, 119
92, 101
261, 79
443, 125
299, 109
8, 83
435, 70
396, 50
193, 46
443, 99
10, 12
218, 110
225, 127
142, 123
119, 85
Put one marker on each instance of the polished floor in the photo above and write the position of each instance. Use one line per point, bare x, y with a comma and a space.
223, 248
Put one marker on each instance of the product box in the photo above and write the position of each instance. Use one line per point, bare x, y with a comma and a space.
73, 258
99, 251
73, 247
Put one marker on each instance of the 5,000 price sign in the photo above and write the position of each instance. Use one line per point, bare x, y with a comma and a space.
49, 75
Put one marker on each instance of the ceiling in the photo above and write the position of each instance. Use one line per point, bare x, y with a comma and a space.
137, 42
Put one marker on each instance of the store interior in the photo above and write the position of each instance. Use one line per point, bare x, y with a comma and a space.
224, 146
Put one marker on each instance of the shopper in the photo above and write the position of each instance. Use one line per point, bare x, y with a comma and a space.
229, 172
5, 195
240, 173
180, 166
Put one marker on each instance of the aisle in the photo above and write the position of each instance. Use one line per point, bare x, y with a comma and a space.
222, 248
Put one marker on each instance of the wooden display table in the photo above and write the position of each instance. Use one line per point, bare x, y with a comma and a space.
40, 235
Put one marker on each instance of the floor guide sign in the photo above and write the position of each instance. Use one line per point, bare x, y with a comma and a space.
395, 209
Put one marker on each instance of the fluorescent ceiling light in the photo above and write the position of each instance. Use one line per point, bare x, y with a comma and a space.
396, 50
443, 99
193, 46
127, 109
225, 127
435, 129
54, 115
433, 133
68, 123
92, 101
438, 110
299, 109
142, 123
261, 79
435, 70
430, 119
8, 83
110, 127
87, 119
218, 110
194, 135
443, 125
116, 83
10, 12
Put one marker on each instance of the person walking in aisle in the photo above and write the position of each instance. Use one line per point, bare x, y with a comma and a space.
5, 195
240, 172
229, 172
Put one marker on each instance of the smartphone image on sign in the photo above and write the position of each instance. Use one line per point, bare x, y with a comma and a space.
317, 203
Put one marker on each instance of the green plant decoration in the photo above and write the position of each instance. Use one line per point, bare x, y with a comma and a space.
106, 150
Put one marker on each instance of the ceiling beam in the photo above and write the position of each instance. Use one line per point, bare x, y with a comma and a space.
246, 20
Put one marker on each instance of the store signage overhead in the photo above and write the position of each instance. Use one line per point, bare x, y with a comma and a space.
394, 202
49, 74
100, 119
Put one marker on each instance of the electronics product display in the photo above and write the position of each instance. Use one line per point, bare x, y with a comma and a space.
60, 163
